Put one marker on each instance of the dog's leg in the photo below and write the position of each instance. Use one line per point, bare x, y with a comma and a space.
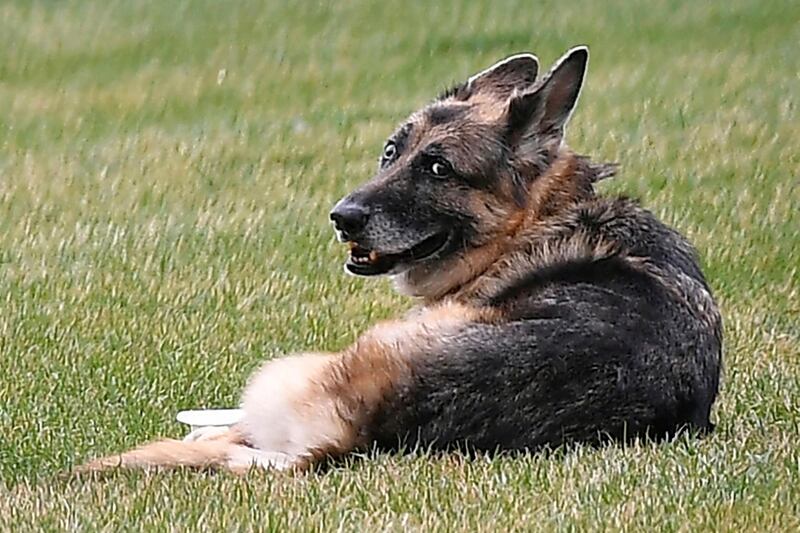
301, 409
214, 452
289, 409
219, 451
206, 433
313, 406
243, 458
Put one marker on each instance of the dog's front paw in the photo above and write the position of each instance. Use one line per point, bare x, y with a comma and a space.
206, 433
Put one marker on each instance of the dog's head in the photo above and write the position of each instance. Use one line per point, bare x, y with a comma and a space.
454, 174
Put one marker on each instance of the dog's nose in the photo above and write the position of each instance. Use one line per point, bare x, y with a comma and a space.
349, 219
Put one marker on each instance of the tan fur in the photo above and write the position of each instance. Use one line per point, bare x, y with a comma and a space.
557, 189
225, 450
302, 408
432, 284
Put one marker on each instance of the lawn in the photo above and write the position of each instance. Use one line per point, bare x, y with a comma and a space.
166, 170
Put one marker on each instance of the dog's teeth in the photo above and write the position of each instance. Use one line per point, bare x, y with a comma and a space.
361, 256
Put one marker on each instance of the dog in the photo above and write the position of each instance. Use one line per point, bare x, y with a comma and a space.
548, 314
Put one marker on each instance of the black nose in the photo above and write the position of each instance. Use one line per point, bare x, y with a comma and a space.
349, 218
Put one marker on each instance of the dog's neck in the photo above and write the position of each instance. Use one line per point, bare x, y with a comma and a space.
469, 275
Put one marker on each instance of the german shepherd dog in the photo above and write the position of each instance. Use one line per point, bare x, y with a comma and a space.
547, 314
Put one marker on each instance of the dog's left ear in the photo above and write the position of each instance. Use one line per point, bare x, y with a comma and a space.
501, 80
545, 110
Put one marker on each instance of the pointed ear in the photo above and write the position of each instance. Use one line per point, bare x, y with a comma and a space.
546, 109
514, 73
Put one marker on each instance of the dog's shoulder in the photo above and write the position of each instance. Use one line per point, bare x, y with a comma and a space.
636, 233
607, 252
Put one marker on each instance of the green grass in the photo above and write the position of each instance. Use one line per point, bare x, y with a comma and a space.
166, 169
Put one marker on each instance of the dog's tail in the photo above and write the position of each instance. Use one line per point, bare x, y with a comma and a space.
224, 451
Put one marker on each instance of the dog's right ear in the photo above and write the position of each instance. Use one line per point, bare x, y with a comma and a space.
545, 110
514, 73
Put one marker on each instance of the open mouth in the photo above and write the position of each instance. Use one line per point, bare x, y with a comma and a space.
364, 262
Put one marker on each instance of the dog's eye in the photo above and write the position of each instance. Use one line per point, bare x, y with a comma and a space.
389, 152
440, 169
